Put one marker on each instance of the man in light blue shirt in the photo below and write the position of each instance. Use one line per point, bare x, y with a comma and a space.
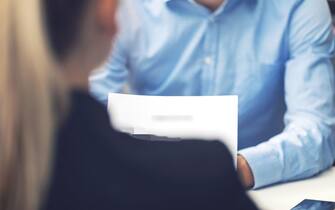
275, 55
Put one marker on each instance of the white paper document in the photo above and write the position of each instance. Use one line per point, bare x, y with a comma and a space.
196, 117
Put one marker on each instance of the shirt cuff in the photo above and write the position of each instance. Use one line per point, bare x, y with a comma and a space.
265, 164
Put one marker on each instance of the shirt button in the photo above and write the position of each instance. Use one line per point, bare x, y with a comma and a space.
208, 60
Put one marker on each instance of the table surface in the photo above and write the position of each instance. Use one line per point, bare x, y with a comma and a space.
286, 196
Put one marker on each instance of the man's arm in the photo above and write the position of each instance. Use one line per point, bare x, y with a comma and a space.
307, 145
112, 76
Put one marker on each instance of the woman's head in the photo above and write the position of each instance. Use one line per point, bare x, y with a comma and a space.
36, 38
80, 26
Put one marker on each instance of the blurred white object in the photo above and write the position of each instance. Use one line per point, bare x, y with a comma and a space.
199, 117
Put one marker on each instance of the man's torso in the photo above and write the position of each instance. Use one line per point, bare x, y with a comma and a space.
181, 48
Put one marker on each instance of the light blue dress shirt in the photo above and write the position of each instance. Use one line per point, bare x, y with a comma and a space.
274, 54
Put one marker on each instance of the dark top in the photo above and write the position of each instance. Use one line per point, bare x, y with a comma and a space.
98, 168
332, 6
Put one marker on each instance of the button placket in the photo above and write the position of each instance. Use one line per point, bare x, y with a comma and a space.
208, 56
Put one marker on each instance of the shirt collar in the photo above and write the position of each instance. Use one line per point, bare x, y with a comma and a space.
192, 0
218, 11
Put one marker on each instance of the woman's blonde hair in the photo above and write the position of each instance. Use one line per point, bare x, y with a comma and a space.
29, 88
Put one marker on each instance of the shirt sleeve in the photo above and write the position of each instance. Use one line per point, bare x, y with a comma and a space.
112, 76
307, 144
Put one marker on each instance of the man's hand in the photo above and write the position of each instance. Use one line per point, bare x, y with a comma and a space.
245, 173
